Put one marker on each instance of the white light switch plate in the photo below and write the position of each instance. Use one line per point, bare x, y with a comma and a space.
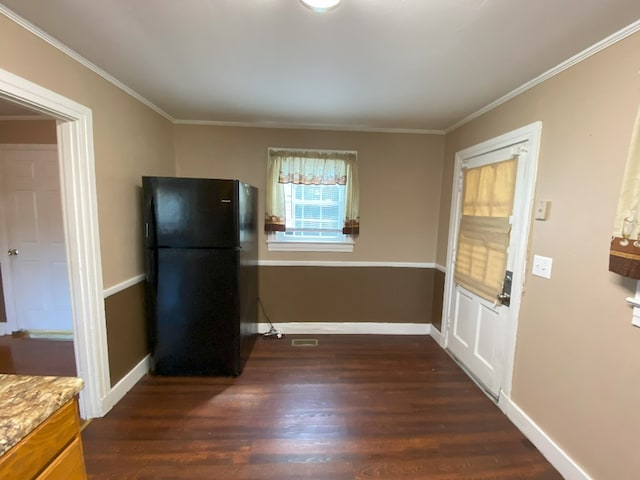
541, 212
542, 266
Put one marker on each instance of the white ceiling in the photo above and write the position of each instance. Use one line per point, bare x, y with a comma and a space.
370, 64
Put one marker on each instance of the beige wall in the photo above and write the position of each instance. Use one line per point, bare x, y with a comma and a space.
28, 131
576, 369
130, 140
400, 178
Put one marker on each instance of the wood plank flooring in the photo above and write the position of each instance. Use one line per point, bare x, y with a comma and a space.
354, 407
34, 356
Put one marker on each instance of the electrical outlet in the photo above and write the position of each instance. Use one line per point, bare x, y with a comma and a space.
542, 266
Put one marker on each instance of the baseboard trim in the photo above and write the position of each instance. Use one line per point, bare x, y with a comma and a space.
321, 263
120, 389
437, 336
348, 328
45, 334
568, 468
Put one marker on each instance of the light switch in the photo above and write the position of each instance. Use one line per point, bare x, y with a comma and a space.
542, 210
542, 266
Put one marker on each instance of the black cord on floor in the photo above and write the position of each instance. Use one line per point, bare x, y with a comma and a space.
273, 332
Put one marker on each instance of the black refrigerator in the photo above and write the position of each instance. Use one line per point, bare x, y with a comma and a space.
200, 238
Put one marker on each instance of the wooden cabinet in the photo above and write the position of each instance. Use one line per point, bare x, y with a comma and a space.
52, 451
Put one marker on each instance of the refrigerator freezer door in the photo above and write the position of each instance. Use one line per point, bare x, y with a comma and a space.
195, 329
190, 212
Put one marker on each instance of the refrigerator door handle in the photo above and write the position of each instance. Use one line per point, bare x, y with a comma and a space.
152, 270
150, 239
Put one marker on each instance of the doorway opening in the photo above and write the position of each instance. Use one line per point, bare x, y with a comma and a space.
37, 326
80, 221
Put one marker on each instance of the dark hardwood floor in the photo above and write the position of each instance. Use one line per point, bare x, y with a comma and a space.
31, 356
354, 407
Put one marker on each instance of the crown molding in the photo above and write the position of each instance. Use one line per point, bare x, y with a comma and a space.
306, 126
80, 59
592, 50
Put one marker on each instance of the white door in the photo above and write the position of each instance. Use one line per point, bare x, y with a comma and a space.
480, 327
37, 290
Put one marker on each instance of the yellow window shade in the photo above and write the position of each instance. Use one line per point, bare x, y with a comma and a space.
483, 237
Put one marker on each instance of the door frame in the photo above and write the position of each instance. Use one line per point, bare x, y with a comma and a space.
82, 241
519, 236
5, 267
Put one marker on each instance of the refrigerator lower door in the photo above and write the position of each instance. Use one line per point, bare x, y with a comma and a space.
195, 327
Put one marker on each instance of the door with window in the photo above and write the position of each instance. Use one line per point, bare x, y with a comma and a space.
490, 224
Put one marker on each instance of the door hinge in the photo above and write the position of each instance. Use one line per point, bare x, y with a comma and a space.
519, 150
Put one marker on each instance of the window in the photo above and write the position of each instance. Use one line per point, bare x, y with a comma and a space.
483, 239
312, 200
314, 211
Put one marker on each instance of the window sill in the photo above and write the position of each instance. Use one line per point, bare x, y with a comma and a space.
309, 246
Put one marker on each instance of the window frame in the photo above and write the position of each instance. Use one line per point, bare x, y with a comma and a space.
280, 242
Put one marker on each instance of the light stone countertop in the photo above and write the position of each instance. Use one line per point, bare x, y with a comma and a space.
27, 401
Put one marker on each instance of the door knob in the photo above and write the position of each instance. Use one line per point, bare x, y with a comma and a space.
504, 296
13, 251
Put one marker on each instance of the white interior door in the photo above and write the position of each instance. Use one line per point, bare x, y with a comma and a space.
37, 285
477, 323
480, 332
